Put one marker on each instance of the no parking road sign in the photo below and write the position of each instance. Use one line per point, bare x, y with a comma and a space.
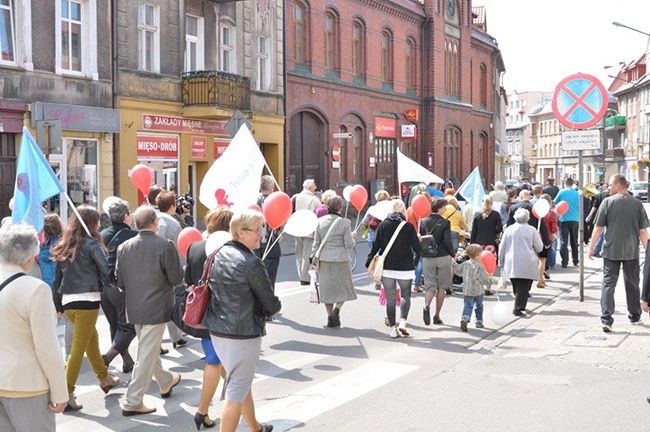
579, 101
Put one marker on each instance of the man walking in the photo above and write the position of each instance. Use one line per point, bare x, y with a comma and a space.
148, 269
569, 222
272, 259
550, 188
306, 199
625, 221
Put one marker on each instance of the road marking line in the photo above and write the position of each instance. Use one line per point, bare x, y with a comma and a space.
298, 408
283, 362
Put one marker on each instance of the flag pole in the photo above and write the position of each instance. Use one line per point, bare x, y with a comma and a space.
74, 209
271, 172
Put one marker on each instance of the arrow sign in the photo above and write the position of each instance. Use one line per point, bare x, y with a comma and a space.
342, 135
579, 101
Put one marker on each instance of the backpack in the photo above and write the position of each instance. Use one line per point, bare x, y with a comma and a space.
430, 246
373, 223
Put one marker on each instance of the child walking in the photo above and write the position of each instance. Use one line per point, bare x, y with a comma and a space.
475, 278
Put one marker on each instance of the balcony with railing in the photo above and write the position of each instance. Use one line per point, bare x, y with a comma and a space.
217, 89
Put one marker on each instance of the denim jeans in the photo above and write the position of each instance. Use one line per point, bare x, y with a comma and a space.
552, 254
569, 234
598, 247
390, 286
469, 303
631, 278
418, 274
455, 239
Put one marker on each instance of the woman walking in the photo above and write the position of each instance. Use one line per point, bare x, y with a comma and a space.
241, 300
332, 241
398, 264
486, 229
216, 220
81, 264
518, 257
32, 384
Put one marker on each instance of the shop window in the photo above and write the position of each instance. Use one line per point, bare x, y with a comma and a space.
194, 46
148, 38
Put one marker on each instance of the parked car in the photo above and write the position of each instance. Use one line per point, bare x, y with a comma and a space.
639, 190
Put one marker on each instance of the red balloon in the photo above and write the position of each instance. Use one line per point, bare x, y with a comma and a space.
421, 206
489, 261
277, 209
358, 196
141, 178
186, 237
562, 207
255, 207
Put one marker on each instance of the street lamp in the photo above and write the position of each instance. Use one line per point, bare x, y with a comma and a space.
618, 24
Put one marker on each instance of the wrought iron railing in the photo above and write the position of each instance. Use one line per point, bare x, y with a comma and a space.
221, 89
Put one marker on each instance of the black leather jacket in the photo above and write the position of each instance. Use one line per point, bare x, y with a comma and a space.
85, 273
241, 294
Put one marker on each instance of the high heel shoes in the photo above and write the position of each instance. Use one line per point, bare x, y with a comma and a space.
200, 420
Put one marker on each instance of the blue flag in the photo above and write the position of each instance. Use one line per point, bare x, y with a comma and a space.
35, 183
472, 189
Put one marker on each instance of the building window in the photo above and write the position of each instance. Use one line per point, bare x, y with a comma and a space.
452, 82
410, 64
226, 48
300, 20
386, 57
452, 153
194, 47
482, 152
148, 38
263, 64
71, 36
357, 49
331, 55
356, 157
7, 32
483, 85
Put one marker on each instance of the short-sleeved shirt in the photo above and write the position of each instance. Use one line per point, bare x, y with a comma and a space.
623, 216
572, 197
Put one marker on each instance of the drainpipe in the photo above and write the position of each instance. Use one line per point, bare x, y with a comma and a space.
116, 136
426, 36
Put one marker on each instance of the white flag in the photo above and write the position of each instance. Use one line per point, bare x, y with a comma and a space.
234, 178
410, 171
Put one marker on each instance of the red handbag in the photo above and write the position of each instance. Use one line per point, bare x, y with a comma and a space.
199, 297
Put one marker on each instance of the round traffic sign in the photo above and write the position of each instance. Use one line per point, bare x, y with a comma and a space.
336, 153
531, 170
579, 101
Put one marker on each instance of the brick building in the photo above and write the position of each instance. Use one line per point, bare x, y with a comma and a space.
367, 69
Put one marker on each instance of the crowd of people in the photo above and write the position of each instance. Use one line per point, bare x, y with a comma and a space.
134, 271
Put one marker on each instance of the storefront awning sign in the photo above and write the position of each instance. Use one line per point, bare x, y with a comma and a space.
158, 146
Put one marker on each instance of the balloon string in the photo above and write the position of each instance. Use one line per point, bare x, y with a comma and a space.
268, 249
346, 209
358, 224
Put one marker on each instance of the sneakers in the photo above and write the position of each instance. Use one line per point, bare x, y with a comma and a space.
547, 275
437, 320
394, 334
463, 325
607, 328
426, 315
479, 324
402, 327
637, 322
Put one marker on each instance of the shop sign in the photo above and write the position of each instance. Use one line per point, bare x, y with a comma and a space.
182, 124
199, 147
78, 118
385, 127
412, 114
371, 162
158, 146
408, 131
220, 146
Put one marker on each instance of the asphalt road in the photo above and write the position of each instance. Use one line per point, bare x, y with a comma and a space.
553, 371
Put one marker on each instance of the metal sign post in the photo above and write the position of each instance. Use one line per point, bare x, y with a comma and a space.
579, 102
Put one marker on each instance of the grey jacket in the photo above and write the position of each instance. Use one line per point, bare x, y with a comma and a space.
518, 252
339, 242
241, 294
148, 269
85, 273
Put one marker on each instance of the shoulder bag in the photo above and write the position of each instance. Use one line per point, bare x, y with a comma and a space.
376, 267
199, 297
316, 257
10, 279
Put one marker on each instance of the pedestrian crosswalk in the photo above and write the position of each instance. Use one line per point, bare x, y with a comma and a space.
291, 388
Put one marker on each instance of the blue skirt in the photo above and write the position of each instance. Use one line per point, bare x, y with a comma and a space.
211, 356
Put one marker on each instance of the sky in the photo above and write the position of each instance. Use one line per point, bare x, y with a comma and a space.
544, 41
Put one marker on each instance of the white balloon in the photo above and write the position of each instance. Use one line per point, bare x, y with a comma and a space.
541, 207
301, 223
499, 314
216, 240
346, 192
108, 201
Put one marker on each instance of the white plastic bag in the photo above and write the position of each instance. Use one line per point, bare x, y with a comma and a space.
314, 295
